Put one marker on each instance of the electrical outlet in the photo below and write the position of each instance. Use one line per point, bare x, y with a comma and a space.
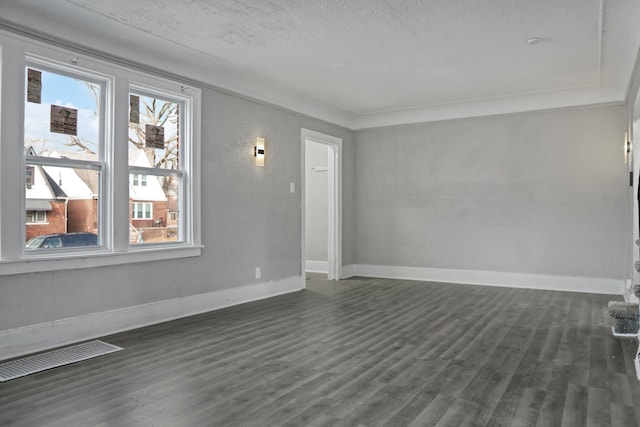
257, 272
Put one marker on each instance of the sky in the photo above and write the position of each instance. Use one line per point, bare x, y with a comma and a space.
73, 93
56, 87
68, 92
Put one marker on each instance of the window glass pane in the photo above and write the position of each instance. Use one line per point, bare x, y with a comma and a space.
138, 180
155, 210
154, 132
36, 216
61, 116
62, 201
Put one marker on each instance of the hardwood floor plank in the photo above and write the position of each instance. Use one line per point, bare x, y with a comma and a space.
435, 411
574, 413
623, 415
528, 412
598, 407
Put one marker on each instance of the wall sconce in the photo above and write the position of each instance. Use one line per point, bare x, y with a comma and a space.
259, 151
627, 147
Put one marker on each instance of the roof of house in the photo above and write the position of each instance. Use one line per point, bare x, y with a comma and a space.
44, 187
153, 190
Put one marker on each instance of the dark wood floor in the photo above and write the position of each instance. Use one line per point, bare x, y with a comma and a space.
358, 352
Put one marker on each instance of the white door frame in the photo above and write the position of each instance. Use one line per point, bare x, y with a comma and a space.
334, 233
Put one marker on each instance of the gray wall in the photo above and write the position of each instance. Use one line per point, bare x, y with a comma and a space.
633, 113
249, 219
316, 202
544, 192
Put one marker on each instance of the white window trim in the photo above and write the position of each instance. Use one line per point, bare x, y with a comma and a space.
114, 248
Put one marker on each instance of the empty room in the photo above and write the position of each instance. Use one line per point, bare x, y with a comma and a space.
319, 213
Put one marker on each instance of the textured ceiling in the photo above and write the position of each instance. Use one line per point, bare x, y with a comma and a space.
378, 61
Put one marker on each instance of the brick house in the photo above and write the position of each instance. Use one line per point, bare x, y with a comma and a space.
147, 202
64, 200
59, 199
81, 188
46, 204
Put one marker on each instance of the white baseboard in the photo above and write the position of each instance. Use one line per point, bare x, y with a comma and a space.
493, 278
348, 271
316, 266
43, 336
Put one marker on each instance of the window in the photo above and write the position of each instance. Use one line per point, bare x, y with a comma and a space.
141, 211
29, 178
79, 155
155, 163
36, 216
139, 180
63, 147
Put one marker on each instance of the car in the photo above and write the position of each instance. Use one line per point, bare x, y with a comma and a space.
63, 240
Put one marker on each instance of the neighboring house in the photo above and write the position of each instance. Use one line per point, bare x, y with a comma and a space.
147, 201
58, 200
81, 189
64, 200
172, 209
46, 204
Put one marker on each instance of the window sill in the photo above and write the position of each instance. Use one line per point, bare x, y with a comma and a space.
77, 260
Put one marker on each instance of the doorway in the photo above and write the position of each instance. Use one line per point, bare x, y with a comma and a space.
321, 207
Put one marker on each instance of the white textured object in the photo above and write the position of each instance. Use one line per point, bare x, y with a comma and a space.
619, 335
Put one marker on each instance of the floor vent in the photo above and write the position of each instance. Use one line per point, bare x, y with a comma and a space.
52, 359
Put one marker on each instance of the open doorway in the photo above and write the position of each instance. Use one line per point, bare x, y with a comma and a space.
321, 212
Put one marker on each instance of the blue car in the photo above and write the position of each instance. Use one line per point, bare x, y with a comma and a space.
63, 240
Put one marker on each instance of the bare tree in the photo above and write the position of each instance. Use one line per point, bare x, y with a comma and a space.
153, 112
74, 141
158, 113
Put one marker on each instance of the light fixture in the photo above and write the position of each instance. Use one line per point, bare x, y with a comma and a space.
259, 151
627, 147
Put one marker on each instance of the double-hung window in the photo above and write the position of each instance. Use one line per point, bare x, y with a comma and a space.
64, 146
105, 150
156, 164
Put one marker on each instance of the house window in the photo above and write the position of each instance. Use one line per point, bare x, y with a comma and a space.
141, 211
29, 178
79, 144
34, 217
139, 180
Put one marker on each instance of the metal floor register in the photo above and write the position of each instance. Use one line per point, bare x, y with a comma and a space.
52, 359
